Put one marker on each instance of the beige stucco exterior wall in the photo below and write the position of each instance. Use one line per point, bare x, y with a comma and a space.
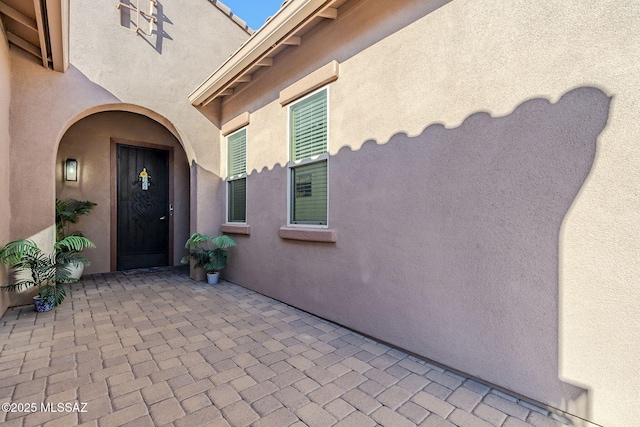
407, 65
89, 142
5, 94
113, 69
157, 72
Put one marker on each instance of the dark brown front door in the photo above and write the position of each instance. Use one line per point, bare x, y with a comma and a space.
142, 207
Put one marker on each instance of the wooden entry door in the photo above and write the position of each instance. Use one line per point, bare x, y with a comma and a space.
142, 207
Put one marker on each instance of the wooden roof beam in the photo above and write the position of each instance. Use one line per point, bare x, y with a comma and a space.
265, 62
292, 41
22, 43
43, 41
329, 13
18, 16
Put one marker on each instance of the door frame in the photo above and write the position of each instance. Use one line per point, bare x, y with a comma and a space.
114, 194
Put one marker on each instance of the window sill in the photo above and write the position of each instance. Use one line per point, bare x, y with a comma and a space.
236, 229
308, 234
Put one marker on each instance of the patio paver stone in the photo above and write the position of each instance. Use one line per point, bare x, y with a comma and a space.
156, 348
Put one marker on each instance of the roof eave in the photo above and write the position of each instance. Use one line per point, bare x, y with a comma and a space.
290, 19
58, 33
40, 28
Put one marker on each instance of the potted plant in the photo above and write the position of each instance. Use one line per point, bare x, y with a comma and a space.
31, 266
69, 212
209, 253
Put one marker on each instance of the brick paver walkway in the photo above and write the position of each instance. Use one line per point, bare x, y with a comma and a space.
160, 349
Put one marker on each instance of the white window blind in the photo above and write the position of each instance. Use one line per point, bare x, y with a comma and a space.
309, 193
237, 200
308, 181
237, 149
308, 121
237, 169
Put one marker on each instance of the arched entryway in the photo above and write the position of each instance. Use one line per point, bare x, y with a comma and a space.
139, 221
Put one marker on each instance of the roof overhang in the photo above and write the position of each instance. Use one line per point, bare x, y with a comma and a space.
39, 27
285, 28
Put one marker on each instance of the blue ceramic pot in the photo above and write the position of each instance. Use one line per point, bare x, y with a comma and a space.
43, 305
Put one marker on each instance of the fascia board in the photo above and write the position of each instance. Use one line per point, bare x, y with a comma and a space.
275, 31
58, 26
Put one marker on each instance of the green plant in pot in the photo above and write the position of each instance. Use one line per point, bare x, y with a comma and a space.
209, 253
69, 212
48, 271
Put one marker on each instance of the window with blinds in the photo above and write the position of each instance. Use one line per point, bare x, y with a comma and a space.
308, 145
237, 180
237, 152
309, 193
237, 200
308, 121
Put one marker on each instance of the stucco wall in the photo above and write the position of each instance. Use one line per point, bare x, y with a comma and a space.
112, 68
157, 71
89, 142
509, 261
5, 93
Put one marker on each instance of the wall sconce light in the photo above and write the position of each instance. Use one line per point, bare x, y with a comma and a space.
71, 170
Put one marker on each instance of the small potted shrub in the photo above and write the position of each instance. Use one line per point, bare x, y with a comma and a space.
209, 253
49, 272
69, 212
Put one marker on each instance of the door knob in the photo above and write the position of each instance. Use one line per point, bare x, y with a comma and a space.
163, 218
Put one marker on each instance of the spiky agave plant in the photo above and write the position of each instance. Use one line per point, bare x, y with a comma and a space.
208, 252
31, 266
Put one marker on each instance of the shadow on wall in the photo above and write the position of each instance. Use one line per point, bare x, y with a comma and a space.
129, 18
460, 225
476, 213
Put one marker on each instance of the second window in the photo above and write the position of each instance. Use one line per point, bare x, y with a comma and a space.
237, 176
308, 169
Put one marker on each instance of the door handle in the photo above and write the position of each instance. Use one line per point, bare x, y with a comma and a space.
163, 218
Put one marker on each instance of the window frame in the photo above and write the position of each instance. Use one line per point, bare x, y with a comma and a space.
292, 164
237, 177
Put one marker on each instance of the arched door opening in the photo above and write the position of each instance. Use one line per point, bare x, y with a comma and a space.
137, 172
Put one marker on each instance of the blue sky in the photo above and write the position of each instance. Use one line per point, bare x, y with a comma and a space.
254, 12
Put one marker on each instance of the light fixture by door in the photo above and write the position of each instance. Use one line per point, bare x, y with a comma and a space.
71, 170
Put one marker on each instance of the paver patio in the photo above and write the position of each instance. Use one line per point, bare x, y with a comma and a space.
158, 349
